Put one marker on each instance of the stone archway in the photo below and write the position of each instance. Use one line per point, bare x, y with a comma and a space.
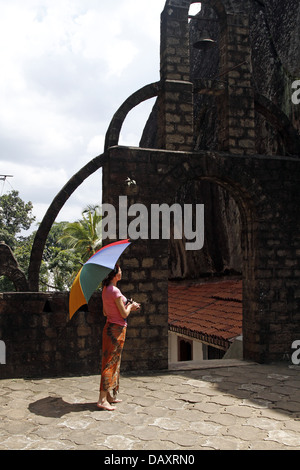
237, 183
209, 263
50, 216
170, 170
269, 234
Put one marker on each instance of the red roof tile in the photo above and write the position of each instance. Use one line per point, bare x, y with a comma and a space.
211, 311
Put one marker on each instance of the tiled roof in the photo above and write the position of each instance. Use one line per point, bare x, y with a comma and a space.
211, 312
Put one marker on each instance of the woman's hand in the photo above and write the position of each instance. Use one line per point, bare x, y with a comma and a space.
125, 310
135, 306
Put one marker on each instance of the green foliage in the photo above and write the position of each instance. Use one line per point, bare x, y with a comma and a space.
59, 264
15, 215
68, 245
84, 236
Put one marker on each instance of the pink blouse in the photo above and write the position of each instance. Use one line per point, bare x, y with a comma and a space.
109, 295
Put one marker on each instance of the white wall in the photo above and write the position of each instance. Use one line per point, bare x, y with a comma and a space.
198, 347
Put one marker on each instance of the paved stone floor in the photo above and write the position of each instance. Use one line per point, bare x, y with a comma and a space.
236, 406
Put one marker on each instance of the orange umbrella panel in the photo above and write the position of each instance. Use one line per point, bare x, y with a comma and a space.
85, 284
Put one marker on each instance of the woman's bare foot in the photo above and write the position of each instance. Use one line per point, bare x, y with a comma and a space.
103, 402
105, 405
111, 399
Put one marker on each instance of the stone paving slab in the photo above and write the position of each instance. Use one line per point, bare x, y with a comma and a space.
238, 406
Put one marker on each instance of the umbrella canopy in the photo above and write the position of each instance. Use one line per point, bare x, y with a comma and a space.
93, 272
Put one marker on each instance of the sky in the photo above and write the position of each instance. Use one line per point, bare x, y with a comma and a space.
66, 67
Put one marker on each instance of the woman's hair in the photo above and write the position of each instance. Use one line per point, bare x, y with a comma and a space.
110, 276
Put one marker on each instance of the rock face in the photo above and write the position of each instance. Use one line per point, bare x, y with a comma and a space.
9, 267
275, 57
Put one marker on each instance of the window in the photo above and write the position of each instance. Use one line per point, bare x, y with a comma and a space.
185, 350
195, 8
214, 353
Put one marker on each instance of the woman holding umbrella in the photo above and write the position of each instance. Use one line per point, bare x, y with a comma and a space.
116, 308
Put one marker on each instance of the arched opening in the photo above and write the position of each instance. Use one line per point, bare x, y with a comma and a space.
205, 290
116, 124
135, 122
195, 8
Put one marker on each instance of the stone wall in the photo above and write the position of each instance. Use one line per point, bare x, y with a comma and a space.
41, 341
144, 265
266, 190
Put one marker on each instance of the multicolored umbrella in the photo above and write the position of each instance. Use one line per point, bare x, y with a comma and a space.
93, 272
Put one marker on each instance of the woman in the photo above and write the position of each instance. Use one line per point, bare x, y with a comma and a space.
116, 308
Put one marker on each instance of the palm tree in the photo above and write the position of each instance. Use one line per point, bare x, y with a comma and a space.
84, 236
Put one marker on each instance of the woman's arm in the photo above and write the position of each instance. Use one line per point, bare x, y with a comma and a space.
125, 311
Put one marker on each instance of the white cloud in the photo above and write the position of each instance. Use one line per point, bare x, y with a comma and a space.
95, 145
66, 67
36, 182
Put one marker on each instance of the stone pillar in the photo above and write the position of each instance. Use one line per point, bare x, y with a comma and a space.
144, 263
175, 131
237, 129
175, 101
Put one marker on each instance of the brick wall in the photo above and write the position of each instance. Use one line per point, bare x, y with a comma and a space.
41, 341
266, 192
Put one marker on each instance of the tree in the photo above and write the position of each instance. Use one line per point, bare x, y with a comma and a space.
59, 263
84, 236
15, 215
68, 245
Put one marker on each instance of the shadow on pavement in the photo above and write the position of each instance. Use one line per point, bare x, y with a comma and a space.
56, 407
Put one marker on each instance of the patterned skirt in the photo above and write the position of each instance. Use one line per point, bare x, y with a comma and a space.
113, 339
